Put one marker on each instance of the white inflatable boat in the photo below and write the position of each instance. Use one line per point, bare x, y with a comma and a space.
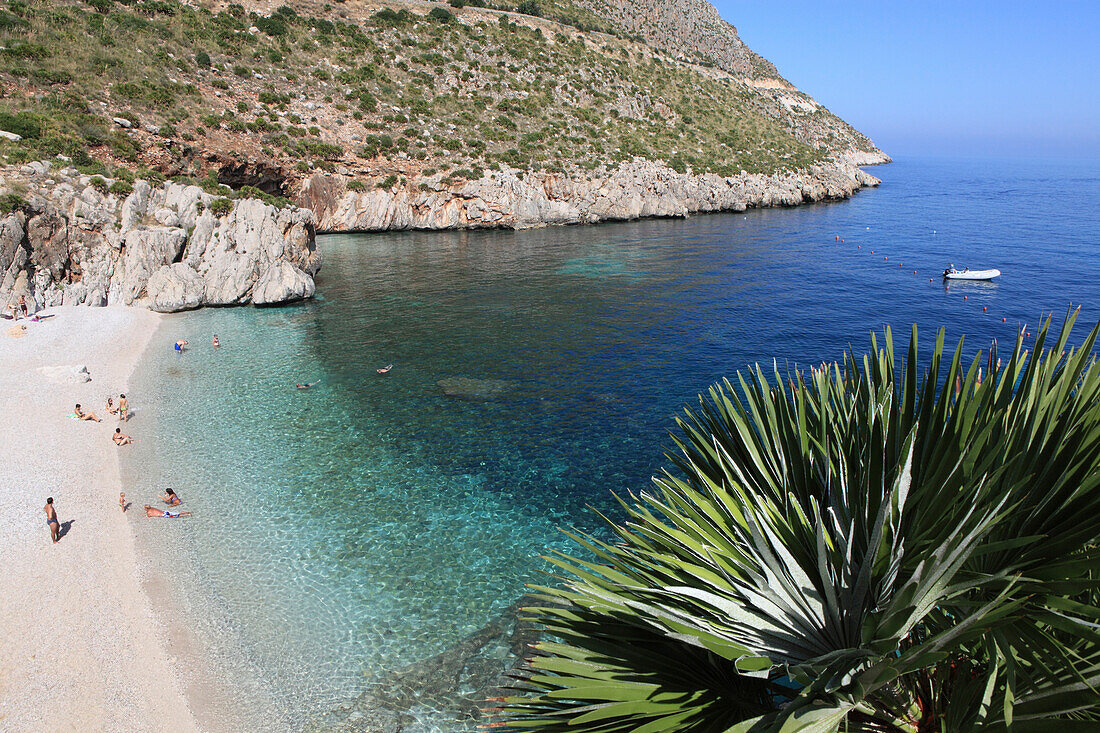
967, 274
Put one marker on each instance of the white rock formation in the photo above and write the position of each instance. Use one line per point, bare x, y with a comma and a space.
160, 246
69, 374
510, 199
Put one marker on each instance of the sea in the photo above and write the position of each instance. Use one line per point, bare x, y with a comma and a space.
343, 534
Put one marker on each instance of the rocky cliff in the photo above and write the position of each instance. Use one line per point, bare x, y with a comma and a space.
510, 199
688, 30
75, 239
374, 115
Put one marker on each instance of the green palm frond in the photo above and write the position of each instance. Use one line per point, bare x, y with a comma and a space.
860, 547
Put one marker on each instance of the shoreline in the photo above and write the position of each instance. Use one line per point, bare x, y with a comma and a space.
83, 647
223, 689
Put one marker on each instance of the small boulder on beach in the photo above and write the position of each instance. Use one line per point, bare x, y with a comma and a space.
70, 374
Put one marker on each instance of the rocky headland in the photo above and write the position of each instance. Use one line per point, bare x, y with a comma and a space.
272, 119
509, 199
74, 239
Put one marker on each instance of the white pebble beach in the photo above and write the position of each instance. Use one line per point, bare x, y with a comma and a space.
81, 648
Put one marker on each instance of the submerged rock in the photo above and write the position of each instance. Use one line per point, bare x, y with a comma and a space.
453, 685
469, 388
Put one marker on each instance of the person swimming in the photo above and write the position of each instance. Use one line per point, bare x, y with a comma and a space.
385, 369
151, 511
300, 385
170, 497
216, 344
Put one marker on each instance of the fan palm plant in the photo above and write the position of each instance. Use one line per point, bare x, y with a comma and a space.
854, 549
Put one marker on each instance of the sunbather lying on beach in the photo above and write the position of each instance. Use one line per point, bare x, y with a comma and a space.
170, 497
152, 511
81, 415
121, 438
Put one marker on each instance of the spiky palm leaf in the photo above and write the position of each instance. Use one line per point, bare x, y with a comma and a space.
850, 549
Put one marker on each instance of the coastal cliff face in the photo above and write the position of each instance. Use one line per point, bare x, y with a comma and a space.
509, 199
68, 240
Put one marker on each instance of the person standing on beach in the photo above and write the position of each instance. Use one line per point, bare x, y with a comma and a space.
23, 305
123, 408
51, 521
180, 346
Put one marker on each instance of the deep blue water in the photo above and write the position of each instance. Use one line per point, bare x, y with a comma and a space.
377, 519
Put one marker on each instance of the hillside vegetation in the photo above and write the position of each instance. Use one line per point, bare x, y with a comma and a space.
260, 96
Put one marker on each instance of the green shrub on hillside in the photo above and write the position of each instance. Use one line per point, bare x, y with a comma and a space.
10, 202
441, 14
24, 124
121, 188
221, 206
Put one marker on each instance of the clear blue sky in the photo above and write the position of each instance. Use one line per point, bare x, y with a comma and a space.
989, 78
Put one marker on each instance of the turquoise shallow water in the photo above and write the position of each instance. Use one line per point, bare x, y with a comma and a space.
346, 531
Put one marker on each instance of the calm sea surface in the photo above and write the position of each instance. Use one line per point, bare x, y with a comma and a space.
344, 532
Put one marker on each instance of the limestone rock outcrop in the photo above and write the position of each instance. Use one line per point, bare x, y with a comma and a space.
68, 374
159, 246
514, 200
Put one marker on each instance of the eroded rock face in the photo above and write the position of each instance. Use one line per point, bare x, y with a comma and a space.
509, 199
160, 246
175, 287
283, 282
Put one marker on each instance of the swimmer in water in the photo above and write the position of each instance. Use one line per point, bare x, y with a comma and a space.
151, 511
170, 497
385, 369
216, 344
299, 385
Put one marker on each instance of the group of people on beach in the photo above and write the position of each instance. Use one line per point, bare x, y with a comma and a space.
18, 309
169, 497
122, 411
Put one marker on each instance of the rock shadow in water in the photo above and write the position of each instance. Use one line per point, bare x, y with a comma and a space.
452, 686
